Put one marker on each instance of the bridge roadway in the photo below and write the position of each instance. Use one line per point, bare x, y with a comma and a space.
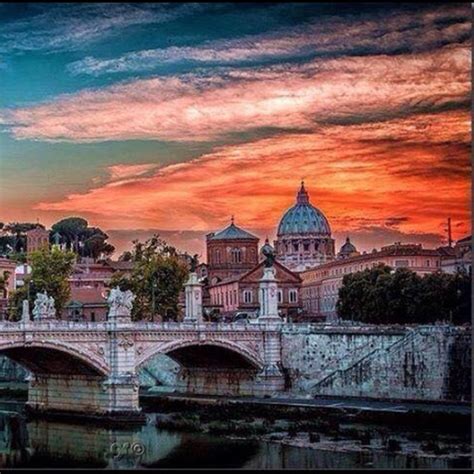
93, 367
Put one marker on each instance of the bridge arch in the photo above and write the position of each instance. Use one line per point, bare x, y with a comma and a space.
209, 353
48, 357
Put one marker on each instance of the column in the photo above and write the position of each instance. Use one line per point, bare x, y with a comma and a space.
268, 297
193, 296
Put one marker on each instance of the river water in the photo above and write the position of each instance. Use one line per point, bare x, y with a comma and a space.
37, 443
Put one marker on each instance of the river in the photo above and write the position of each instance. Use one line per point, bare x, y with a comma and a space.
41, 443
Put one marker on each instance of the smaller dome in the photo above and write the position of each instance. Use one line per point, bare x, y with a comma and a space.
347, 249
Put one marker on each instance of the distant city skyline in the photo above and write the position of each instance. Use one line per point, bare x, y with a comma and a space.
172, 118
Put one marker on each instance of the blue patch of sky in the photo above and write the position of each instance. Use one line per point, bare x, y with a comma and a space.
38, 75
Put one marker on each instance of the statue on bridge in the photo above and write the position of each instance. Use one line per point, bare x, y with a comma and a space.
44, 307
194, 262
268, 253
121, 302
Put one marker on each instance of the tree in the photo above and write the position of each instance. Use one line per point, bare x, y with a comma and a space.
157, 278
50, 270
362, 295
383, 296
84, 240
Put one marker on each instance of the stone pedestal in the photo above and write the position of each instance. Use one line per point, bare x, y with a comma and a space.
25, 312
121, 386
193, 295
268, 297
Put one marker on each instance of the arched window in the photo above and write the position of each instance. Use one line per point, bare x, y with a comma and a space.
280, 296
236, 255
293, 296
248, 296
217, 256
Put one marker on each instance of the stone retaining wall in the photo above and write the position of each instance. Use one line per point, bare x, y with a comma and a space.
426, 363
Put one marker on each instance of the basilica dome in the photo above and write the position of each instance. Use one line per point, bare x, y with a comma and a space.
304, 236
303, 218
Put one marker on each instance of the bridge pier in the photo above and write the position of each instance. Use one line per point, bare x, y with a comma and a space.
74, 388
271, 379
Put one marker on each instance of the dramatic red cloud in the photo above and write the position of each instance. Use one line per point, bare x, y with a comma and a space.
404, 175
206, 107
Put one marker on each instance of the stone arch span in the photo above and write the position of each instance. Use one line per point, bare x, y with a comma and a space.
209, 353
55, 358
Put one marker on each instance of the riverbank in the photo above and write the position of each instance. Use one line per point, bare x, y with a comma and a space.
265, 434
418, 432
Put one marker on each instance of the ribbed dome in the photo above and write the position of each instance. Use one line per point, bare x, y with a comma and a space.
303, 218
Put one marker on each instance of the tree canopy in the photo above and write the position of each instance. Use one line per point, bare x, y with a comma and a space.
157, 278
86, 241
50, 270
382, 296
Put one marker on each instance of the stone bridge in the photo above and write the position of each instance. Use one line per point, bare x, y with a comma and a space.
93, 367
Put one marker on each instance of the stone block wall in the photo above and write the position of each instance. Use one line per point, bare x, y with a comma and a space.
80, 394
425, 363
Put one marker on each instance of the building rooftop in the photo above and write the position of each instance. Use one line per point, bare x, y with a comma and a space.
395, 250
232, 232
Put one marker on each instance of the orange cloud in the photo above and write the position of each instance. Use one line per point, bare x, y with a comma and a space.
407, 174
194, 107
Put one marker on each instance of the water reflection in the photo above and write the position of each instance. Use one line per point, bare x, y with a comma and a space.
45, 443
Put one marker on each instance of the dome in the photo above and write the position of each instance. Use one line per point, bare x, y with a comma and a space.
303, 218
348, 247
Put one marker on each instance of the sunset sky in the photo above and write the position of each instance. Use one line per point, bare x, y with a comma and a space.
170, 118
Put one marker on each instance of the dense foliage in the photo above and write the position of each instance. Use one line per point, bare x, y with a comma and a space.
50, 270
157, 278
382, 296
86, 241
73, 232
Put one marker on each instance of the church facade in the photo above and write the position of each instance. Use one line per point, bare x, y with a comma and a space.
234, 269
230, 252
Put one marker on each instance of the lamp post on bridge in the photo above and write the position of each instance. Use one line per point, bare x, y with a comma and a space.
154, 286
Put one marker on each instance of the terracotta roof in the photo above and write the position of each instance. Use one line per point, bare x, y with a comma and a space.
260, 264
87, 296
